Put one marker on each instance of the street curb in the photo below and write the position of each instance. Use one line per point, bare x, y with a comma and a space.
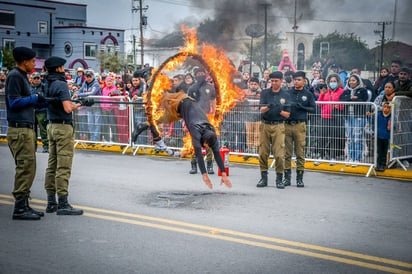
395, 173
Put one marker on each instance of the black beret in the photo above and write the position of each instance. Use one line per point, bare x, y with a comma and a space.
276, 74
254, 80
54, 62
299, 74
22, 53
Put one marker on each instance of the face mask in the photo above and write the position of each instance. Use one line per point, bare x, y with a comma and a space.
333, 85
200, 78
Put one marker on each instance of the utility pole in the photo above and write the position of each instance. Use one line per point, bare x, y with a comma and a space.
143, 22
265, 6
134, 49
394, 20
382, 34
295, 27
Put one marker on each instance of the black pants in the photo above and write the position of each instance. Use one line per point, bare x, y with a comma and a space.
383, 145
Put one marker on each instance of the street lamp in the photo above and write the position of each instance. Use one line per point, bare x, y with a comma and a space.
253, 31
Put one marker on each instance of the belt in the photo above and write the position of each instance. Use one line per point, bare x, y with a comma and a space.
272, 122
295, 122
64, 122
20, 125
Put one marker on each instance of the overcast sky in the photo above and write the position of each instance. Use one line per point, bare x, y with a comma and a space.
315, 16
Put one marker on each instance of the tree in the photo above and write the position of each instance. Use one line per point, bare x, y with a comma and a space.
274, 51
347, 48
8, 60
111, 62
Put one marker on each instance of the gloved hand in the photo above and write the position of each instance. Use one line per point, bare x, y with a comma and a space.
88, 102
40, 98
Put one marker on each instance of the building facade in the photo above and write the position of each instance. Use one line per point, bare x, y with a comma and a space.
58, 29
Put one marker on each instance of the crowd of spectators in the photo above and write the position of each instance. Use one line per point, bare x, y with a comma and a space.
109, 122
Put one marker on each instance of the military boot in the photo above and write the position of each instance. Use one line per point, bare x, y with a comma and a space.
287, 178
210, 167
41, 214
22, 212
299, 178
279, 181
194, 167
263, 180
64, 208
51, 204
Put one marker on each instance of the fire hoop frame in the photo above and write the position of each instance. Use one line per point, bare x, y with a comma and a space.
196, 57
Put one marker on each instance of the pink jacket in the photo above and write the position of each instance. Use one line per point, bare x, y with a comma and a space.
107, 92
286, 62
330, 96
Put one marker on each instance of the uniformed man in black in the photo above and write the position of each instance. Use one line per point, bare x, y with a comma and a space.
61, 139
205, 95
302, 102
274, 108
20, 105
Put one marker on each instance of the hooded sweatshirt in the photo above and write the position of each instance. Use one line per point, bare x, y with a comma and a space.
331, 96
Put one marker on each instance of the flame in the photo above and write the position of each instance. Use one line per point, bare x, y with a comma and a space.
218, 64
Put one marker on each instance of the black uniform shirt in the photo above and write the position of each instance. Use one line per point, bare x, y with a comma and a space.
277, 101
203, 93
57, 87
302, 102
19, 101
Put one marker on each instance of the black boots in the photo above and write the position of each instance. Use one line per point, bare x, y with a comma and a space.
22, 210
279, 180
210, 167
194, 167
263, 180
299, 178
51, 204
64, 208
287, 178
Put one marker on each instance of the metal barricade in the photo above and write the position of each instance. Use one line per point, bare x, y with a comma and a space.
105, 123
401, 131
344, 133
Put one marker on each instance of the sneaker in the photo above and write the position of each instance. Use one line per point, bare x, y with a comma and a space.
316, 163
355, 163
332, 163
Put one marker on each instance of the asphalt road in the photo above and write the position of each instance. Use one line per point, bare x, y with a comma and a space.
146, 214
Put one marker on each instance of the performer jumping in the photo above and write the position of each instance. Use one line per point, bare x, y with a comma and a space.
180, 106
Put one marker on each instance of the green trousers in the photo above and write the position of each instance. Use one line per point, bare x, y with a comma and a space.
21, 144
295, 137
272, 137
61, 151
41, 122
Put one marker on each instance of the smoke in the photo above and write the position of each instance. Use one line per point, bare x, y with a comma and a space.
231, 17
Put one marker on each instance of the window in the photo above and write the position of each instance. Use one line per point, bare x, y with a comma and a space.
9, 44
90, 50
43, 28
7, 19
